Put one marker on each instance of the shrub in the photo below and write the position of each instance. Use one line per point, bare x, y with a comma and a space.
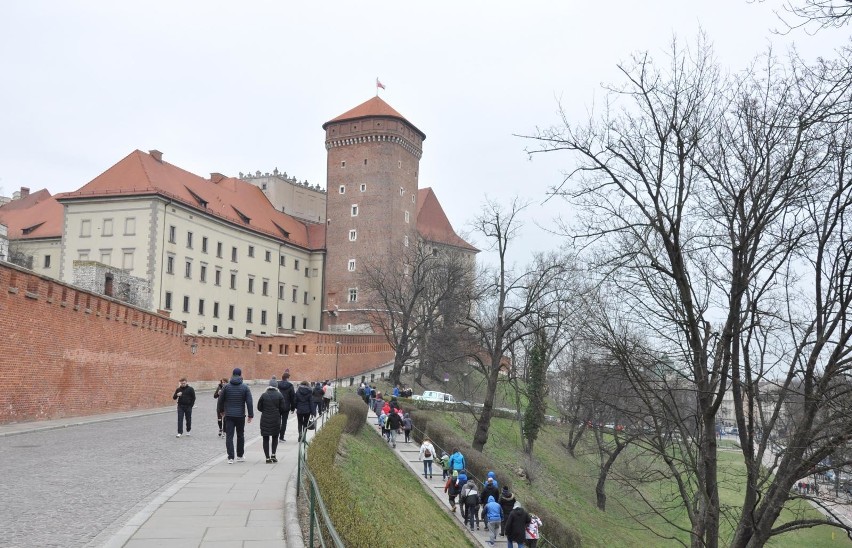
355, 411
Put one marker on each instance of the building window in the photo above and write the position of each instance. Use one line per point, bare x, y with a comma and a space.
353, 235
304, 323
293, 326
353, 294
406, 217
106, 257
233, 254
248, 315
202, 274
251, 284
230, 314
405, 241
127, 260
343, 163
217, 277
314, 272
233, 281
188, 271
170, 264
85, 228
186, 303
172, 234
215, 329
265, 288
282, 261
168, 303
130, 226
204, 244
349, 327
268, 256
307, 272
295, 264
281, 291
107, 230
365, 161
363, 187
354, 210
305, 298
83, 255
251, 251
200, 307
230, 331
295, 294
263, 317
47, 261
219, 249
215, 310
412, 198
351, 265
189, 240
401, 191
280, 323
342, 189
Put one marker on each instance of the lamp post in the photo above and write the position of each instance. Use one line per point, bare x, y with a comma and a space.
336, 363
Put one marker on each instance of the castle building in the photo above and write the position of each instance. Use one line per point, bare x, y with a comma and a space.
230, 256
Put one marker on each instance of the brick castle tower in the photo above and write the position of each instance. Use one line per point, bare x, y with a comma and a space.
371, 208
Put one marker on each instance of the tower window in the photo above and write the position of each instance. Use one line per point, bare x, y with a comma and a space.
406, 217
365, 161
353, 235
342, 189
399, 164
405, 241
351, 265
353, 294
343, 163
354, 210
412, 198
363, 187
401, 191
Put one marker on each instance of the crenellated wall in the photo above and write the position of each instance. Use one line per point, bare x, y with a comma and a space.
67, 352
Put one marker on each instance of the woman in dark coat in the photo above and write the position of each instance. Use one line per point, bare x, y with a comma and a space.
304, 407
271, 406
222, 383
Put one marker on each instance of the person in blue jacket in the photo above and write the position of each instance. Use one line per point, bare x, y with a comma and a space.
493, 518
457, 461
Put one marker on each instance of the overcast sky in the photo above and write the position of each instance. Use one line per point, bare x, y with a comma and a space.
225, 86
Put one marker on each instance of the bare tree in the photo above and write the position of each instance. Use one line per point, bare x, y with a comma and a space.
501, 301
816, 14
410, 292
718, 212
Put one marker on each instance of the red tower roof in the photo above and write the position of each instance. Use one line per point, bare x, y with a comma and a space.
375, 106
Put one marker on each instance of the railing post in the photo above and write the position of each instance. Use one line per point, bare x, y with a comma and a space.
299, 472
312, 516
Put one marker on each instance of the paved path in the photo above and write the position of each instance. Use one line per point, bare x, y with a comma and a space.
91, 481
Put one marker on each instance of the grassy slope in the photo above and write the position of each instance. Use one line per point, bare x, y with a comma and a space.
566, 486
386, 489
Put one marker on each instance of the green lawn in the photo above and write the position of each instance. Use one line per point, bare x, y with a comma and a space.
387, 490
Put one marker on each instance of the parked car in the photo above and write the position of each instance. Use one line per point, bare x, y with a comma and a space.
434, 395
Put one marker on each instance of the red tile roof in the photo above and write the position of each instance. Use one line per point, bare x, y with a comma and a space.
370, 108
34, 217
234, 200
432, 222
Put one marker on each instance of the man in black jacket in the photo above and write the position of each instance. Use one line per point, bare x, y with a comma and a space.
185, 396
289, 393
234, 400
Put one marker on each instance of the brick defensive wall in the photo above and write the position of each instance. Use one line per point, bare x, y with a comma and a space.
67, 352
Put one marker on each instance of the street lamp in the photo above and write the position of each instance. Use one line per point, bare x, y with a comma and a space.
336, 362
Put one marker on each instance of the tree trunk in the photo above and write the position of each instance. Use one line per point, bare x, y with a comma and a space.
480, 437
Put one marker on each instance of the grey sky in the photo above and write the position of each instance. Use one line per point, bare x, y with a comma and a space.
243, 86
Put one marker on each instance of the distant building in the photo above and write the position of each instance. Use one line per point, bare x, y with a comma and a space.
298, 199
34, 231
4, 242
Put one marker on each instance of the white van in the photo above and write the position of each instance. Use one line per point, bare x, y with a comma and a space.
433, 395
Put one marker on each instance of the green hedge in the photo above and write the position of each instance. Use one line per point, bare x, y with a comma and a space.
355, 411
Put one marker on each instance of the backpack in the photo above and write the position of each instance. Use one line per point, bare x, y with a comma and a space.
427, 453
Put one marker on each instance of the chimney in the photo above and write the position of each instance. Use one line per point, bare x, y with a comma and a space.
25, 192
157, 155
215, 178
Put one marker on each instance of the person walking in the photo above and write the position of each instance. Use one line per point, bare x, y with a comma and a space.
407, 426
451, 490
445, 466
488, 490
234, 400
394, 422
533, 523
493, 518
470, 495
457, 462
427, 454
506, 502
272, 407
185, 396
516, 527
305, 407
222, 382
289, 392
316, 398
